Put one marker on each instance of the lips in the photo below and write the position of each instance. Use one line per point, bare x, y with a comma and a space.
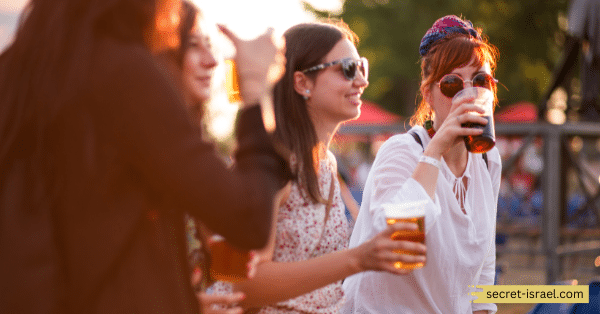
203, 79
355, 98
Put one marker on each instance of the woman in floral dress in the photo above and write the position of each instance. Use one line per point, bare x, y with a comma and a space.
302, 269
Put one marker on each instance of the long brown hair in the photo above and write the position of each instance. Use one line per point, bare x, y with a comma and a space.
47, 67
454, 51
307, 45
190, 13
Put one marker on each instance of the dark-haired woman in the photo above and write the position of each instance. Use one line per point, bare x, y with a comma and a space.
460, 188
99, 161
302, 269
197, 61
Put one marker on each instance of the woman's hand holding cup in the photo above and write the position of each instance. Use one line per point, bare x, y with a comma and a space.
463, 112
260, 63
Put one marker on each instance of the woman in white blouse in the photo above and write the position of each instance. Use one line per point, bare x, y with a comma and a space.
460, 188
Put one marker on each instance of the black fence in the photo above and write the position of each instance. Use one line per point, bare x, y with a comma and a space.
567, 151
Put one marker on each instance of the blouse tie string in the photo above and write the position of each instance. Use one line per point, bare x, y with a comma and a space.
460, 191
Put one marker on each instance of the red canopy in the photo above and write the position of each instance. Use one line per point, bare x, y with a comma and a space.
519, 112
370, 113
374, 123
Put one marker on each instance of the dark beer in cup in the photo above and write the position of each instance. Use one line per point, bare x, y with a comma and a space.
483, 98
483, 142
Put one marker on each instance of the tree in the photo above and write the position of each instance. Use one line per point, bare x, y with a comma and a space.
529, 35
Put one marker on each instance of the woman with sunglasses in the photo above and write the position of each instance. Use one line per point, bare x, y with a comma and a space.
301, 270
459, 188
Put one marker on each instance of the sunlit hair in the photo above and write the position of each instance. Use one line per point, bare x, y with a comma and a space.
454, 51
189, 14
306, 46
163, 34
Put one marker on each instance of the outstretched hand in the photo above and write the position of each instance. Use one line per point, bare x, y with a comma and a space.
260, 63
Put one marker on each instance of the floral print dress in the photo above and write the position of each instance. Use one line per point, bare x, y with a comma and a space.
302, 233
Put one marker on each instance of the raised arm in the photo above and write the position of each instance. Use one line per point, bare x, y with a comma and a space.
150, 126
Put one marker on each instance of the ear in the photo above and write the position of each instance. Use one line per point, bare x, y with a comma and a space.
302, 84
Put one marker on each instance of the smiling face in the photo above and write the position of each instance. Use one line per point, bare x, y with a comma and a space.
198, 66
333, 98
442, 104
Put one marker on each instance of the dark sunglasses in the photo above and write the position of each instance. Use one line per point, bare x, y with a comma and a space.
450, 84
349, 67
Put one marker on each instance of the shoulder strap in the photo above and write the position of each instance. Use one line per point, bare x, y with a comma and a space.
330, 199
484, 155
327, 210
418, 139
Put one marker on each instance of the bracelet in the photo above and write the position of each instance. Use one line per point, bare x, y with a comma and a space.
430, 160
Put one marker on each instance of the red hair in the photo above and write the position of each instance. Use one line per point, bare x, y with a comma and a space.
454, 51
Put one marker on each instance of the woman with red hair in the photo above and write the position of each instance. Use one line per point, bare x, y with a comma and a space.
432, 165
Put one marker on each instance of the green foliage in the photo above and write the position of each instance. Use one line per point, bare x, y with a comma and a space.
527, 34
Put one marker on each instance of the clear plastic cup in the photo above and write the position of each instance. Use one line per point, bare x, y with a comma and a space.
482, 98
413, 212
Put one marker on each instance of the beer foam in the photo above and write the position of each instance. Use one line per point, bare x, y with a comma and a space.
405, 209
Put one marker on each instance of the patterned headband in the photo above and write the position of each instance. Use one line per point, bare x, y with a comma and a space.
449, 24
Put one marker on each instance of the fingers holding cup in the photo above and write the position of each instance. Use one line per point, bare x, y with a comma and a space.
407, 212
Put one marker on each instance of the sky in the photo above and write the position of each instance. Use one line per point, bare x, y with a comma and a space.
247, 18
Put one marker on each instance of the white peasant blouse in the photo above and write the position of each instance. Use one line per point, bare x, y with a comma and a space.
460, 226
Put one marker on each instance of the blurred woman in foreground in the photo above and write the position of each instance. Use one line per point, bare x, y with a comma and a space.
99, 161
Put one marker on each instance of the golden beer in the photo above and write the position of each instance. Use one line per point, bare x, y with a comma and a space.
232, 82
228, 263
408, 235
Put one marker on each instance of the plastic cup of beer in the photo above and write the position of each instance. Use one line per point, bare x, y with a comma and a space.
228, 263
413, 212
232, 82
483, 98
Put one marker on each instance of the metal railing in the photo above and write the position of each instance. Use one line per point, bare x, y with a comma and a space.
556, 156
556, 160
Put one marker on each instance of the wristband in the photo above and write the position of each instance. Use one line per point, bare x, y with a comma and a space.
430, 160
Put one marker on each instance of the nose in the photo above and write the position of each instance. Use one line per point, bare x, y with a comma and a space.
208, 59
360, 80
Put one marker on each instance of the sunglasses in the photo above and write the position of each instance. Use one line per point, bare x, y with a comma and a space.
450, 84
349, 67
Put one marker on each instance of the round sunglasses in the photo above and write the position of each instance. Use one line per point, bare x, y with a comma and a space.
450, 84
350, 67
